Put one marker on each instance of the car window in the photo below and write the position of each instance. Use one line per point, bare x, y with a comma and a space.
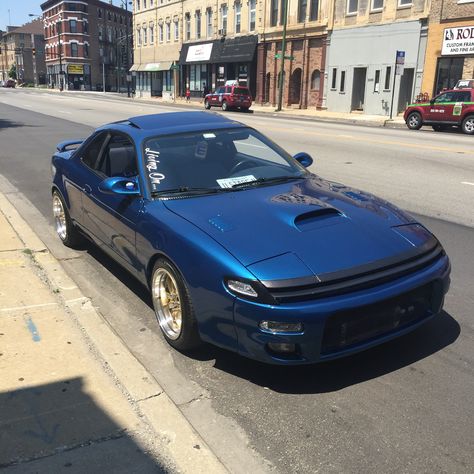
228, 90
464, 96
215, 159
92, 150
241, 90
220, 90
446, 97
119, 158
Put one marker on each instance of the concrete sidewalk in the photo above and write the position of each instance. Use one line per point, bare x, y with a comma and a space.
72, 397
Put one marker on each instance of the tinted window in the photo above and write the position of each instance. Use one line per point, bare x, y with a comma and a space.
463, 96
215, 159
221, 90
92, 150
119, 157
446, 97
241, 90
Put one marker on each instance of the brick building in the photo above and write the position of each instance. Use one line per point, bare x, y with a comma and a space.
23, 46
86, 44
450, 50
304, 70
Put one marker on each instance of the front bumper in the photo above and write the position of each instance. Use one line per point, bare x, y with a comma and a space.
320, 318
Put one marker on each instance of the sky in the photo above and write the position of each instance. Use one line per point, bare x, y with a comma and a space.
19, 10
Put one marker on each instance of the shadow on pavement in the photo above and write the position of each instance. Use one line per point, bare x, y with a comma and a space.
48, 428
5, 123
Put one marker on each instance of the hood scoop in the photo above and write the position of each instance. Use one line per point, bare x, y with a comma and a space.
317, 218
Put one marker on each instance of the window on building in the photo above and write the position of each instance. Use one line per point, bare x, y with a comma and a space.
168, 32
86, 50
342, 87
198, 24
316, 80
74, 50
73, 26
101, 34
176, 30
209, 22
85, 26
283, 7
302, 6
377, 81
352, 6
152, 33
238, 16
448, 72
137, 5
144, 3
377, 5
99, 12
109, 16
223, 19
160, 32
139, 36
404, 3
313, 10
187, 22
252, 14
334, 78
388, 80
145, 35
274, 13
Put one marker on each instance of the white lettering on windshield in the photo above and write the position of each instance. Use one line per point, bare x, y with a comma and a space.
152, 165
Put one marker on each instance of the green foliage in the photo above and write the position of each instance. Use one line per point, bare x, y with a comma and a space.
12, 72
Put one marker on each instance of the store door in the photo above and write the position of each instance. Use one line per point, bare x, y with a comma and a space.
358, 88
448, 73
406, 87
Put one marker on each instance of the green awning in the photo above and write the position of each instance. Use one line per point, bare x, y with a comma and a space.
152, 67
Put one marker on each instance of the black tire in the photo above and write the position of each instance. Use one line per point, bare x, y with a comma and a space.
439, 128
414, 121
207, 105
187, 337
468, 125
225, 107
244, 109
65, 229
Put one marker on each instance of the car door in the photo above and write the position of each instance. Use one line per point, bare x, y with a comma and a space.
217, 96
441, 110
462, 98
112, 218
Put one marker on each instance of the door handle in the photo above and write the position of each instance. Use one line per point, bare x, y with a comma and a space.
87, 189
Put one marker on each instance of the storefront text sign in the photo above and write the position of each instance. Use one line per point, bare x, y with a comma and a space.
199, 52
458, 40
75, 68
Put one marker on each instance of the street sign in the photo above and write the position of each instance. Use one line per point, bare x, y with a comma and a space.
278, 56
175, 67
399, 63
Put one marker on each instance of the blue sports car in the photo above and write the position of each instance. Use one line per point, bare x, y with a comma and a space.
240, 245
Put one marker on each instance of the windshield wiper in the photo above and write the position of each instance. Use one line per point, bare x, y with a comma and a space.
275, 179
188, 190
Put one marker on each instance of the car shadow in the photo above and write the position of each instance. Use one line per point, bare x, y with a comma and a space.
5, 123
404, 351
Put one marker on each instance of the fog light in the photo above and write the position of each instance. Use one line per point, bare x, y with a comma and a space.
282, 347
275, 327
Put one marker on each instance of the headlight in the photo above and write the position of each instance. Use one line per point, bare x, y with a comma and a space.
251, 290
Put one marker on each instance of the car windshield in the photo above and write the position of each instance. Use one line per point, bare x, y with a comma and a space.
216, 161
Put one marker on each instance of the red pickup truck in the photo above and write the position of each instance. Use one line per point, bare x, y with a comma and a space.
450, 108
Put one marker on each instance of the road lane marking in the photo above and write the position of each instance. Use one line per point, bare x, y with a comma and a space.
27, 307
467, 182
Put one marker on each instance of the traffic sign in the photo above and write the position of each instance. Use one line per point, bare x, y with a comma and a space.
278, 56
399, 63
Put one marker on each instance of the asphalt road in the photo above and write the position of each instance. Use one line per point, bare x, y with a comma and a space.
402, 407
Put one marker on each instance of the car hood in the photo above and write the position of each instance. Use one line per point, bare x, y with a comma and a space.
313, 225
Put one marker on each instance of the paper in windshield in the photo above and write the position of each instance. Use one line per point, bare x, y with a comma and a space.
229, 182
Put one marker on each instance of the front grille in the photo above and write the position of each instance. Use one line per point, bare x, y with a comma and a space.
351, 327
352, 280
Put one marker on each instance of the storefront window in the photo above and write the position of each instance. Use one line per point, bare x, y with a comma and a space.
448, 73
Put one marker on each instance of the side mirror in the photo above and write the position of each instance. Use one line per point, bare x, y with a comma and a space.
431, 101
120, 185
304, 159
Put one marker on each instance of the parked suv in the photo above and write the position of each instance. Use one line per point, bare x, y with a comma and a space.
228, 97
450, 108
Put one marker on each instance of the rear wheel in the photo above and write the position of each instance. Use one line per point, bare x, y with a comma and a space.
225, 107
173, 308
468, 125
414, 121
207, 105
67, 232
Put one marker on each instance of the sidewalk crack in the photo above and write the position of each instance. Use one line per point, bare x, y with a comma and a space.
148, 398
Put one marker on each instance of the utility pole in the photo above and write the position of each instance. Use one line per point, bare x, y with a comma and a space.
127, 52
61, 75
283, 50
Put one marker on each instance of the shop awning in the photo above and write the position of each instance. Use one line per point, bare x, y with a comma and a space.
232, 50
135, 67
161, 66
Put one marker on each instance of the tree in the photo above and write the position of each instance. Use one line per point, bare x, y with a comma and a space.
12, 72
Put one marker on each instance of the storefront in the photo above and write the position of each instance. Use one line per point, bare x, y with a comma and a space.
450, 56
155, 79
75, 76
209, 65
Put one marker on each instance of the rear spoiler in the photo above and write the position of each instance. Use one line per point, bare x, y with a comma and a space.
65, 146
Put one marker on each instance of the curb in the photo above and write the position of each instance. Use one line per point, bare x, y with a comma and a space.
383, 123
184, 446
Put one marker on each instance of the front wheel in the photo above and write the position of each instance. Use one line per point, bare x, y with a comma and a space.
67, 232
414, 121
468, 125
225, 107
207, 105
173, 308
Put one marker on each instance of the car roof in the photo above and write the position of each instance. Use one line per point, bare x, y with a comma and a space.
175, 122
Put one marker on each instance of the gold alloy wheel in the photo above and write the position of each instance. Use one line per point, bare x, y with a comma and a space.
59, 217
167, 303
